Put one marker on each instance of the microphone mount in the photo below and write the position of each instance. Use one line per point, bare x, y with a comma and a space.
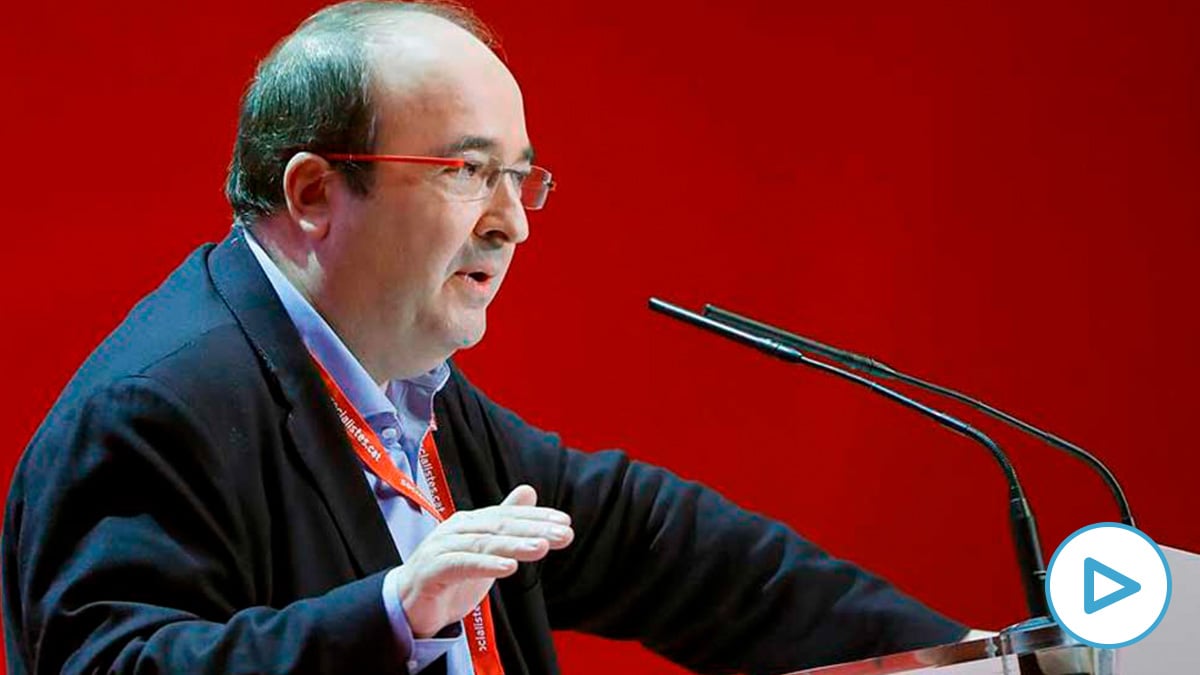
879, 369
1024, 526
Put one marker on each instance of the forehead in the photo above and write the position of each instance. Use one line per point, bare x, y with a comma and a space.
434, 84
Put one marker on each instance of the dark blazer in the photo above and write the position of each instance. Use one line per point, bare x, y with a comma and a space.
191, 505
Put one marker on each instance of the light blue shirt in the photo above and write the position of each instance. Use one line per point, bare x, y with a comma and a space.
399, 414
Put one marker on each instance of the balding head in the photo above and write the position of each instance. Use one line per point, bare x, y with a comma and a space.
425, 67
401, 258
317, 90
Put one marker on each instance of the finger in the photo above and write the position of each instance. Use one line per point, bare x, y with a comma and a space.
522, 495
561, 537
540, 513
493, 522
528, 513
524, 549
457, 566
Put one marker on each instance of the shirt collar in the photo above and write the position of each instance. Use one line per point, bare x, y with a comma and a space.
364, 394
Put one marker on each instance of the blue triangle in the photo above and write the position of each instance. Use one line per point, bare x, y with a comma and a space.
1092, 567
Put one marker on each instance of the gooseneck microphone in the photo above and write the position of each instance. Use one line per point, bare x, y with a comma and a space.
873, 367
1024, 527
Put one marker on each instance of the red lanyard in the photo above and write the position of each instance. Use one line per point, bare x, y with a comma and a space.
481, 634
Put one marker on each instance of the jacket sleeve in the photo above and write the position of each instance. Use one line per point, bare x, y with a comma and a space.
702, 582
130, 554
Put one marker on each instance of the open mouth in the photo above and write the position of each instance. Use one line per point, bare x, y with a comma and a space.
479, 281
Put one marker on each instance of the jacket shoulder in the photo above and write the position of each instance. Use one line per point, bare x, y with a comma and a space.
184, 339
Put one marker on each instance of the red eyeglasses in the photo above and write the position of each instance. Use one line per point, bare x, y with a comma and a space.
473, 180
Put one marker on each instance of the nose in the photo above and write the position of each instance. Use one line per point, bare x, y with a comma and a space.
504, 218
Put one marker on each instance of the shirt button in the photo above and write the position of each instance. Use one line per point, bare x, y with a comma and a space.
412, 665
389, 433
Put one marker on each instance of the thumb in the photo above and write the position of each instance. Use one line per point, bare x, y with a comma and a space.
522, 495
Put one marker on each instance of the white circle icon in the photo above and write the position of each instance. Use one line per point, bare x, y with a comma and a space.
1108, 585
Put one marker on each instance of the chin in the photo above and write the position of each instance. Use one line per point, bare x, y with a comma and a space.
468, 335
450, 330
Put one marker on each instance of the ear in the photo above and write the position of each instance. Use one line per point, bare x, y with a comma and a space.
306, 188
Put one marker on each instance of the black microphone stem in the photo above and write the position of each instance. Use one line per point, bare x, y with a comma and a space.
873, 367
1024, 527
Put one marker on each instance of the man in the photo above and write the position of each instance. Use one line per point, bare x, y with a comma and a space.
271, 466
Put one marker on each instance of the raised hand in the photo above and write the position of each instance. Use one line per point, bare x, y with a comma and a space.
453, 568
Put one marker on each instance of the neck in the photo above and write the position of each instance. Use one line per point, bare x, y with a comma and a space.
375, 350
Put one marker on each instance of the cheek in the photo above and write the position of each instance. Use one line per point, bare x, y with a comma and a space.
424, 236
446, 238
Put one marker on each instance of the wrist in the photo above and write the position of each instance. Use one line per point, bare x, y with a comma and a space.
419, 621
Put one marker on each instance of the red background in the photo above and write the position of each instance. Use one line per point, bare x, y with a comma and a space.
998, 196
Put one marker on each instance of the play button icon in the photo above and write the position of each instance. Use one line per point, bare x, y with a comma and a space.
1108, 585
1092, 568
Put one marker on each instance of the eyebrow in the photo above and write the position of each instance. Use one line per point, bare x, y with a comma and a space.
478, 143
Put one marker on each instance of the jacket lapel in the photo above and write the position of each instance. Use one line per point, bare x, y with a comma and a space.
312, 422
448, 438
